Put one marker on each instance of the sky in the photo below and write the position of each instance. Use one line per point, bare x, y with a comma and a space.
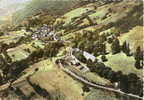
7, 7
7, 3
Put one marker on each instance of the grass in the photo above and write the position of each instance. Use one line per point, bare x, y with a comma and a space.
75, 13
89, 75
18, 53
20, 32
43, 66
97, 94
121, 62
134, 37
96, 78
37, 44
52, 79
9, 39
13, 37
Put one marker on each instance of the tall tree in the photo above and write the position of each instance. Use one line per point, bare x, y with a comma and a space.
139, 54
139, 64
139, 58
115, 46
125, 48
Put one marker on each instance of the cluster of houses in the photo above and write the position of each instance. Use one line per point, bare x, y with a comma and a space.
44, 32
74, 61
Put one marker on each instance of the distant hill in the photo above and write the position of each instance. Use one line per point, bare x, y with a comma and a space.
7, 9
52, 7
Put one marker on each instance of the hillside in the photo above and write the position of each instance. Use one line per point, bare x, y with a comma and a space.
56, 7
92, 51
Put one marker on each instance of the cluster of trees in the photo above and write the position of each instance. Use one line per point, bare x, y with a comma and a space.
128, 83
91, 42
117, 48
44, 93
95, 43
2, 61
126, 48
80, 56
16, 68
6, 61
138, 55
4, 46
18, 92
41, 91
24, 39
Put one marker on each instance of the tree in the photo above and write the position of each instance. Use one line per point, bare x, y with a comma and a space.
110, 40
139, 58
99, 67
105, 72
85, 88
132, 77
96, 60
139, 90
102, 38
114, 78
124, 83
139, 64
118, 75
100, 64
115, 46
125, 48
2, 61
104, 59
134, 84
90, 64
80, 56
110, 75
99, 70
103, 47
139, 54
1, 78
81, 45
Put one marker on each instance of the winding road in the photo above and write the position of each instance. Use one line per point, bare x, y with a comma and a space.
94, 85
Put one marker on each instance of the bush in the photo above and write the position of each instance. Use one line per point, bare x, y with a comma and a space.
104, 59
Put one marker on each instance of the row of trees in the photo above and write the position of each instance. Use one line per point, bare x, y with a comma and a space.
56, 95
138, 55
130, 83
117, 48
13, 70
23, 39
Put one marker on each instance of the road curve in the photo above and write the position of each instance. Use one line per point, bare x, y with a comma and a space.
96, 85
